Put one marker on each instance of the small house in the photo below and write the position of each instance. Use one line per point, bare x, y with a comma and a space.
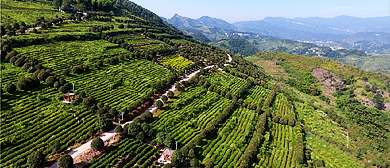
69, 97
168, 154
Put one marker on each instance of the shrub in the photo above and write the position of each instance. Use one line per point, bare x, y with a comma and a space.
19, 62
208, 163
66, 161
148, 115
82, 94
99, 64
140, 136
194, 162
97, 143
171, 94
103, 123
51, 80
164, 98
121, 26
43, 75
10, 88
159, 104
88, 101
319, 163
36, 159
133, 129
284, 120
56, 146
66, 72
77, 69
118, 129
26, 66
276, 118
291, 122
23, 84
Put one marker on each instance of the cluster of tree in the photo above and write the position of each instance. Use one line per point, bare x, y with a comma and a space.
21, 42
80, 69
240, 46
198, 51
248, 68
324, 98
140, 128
366, 127
37, 159
300, 148
122, 21
254, 144
100, 28
22, 27
284, 119
100, 18
270, 97
201, 37
30, 65
304, 86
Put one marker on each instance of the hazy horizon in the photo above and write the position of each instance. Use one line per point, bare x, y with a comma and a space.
274, 16
251, 10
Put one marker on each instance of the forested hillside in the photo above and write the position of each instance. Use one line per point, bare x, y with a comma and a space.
354, 98
77, 83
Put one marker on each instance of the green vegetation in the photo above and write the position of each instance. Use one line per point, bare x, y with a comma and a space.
122, 58
237, 46
177, 63
119, 153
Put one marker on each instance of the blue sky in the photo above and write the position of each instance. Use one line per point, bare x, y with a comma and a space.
245, 10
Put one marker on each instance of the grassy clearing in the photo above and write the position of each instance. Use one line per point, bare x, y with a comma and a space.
270, 67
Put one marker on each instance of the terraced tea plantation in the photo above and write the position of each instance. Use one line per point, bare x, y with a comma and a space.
126, 153
189, 113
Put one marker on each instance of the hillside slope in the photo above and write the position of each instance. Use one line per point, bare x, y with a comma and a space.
119, 59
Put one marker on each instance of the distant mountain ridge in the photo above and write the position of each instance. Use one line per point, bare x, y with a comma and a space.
302, 29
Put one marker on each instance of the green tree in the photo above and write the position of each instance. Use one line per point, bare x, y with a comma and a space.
159, 104
56, 146
80, 7
133, 129
97, 143
140, 136
36, 159
66, 161
177, 158
145, 127
118, 129
168, 141
194, 162
167, 165
148, 115
10, 88
164, 98
191, 153
103, 123
160, 138
171, 94
378, 100
113, 112
208, 163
